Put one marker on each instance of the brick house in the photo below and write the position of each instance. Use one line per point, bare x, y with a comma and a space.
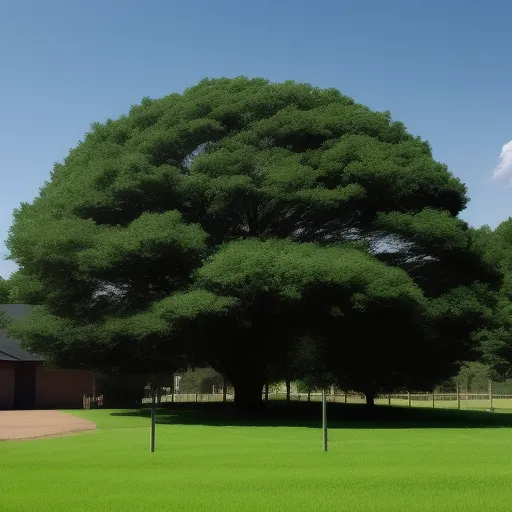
25, 382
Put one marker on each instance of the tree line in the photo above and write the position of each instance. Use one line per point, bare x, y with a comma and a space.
267, 230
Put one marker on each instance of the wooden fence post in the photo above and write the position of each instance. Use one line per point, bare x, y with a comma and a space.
409, 398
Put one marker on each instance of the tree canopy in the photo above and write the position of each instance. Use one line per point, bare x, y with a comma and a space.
226, 223
4, 291
495, 338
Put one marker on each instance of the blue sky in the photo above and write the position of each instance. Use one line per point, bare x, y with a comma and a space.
439, 66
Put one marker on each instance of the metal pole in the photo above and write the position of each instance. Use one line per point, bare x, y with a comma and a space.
153, 423
458, 396
324, 420
433, 398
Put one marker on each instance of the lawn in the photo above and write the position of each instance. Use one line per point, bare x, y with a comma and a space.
372, 465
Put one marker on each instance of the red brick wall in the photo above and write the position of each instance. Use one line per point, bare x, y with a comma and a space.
62, 388
6, 385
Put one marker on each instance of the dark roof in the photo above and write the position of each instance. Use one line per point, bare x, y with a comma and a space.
10, 349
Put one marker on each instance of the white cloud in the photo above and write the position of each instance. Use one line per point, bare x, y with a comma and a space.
503, 170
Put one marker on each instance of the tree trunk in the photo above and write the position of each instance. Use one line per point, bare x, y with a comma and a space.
266, 392
248, 393
126, 391
288, 387
370, 399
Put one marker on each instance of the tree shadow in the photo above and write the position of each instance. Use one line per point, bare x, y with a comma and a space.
308, 415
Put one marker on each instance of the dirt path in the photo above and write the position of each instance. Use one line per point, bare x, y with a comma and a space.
34, 424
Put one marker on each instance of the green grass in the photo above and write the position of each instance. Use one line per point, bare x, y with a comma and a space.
223, 464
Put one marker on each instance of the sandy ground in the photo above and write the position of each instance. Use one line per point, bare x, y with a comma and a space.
33, 424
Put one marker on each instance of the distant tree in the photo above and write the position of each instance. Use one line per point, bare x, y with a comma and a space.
200, 380
220, 224
470, 371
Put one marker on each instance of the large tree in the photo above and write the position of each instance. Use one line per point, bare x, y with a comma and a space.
221, 223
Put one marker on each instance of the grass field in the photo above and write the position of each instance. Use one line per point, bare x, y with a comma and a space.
208, 459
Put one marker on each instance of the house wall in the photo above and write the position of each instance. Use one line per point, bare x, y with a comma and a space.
62, 388
6, 385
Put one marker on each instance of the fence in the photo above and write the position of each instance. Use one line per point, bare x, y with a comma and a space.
462, 401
